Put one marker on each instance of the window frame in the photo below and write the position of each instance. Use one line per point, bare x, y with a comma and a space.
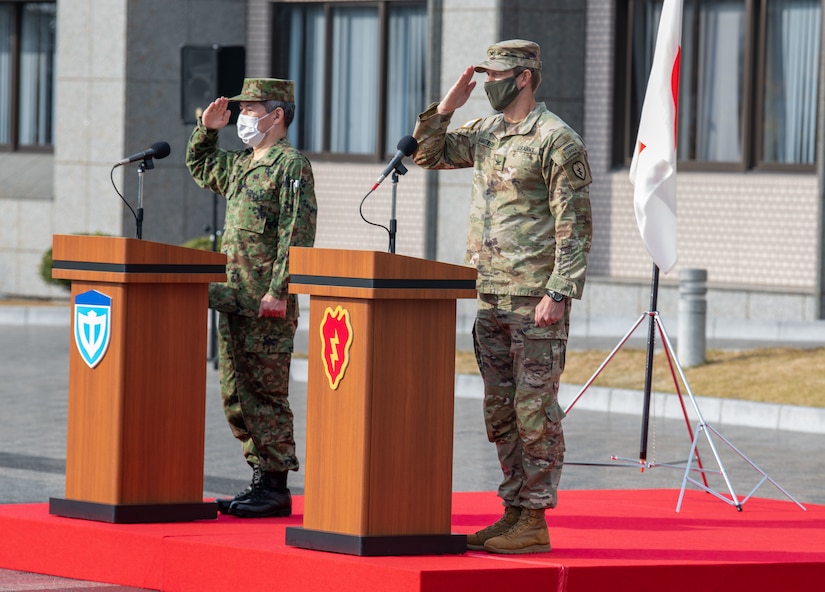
15, 48
753, 99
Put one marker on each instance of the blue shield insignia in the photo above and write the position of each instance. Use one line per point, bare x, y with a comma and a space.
92, 325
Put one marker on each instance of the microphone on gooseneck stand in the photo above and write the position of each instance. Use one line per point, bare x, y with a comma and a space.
157, 150
406, 146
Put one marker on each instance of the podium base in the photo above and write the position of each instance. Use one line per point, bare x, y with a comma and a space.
375, 546
133, 513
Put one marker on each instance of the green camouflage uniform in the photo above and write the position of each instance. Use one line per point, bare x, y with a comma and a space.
529, 230
270, 206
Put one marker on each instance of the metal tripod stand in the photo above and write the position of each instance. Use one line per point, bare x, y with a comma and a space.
702, 427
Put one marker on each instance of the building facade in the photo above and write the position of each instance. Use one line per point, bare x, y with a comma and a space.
750, 206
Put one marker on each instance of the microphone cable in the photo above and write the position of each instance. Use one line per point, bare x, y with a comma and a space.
123, 199
406, 146
361, 213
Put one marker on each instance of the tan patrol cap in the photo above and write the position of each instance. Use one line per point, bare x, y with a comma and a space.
266, 89
506, 55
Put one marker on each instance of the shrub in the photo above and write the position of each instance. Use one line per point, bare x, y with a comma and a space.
46, 264
204, 243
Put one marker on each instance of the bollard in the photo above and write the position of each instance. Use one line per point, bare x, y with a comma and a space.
692, 316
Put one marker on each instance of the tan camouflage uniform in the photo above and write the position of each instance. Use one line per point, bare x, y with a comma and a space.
529, 231
270, 206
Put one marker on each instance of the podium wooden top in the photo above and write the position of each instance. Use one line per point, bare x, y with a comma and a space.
375, 274
131, 260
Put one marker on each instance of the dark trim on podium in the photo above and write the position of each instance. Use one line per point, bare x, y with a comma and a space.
376, 546
396, 284
133, 513
166, 268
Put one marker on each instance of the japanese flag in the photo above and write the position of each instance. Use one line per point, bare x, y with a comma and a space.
653, 168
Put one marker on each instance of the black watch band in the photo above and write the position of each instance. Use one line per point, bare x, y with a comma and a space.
555, 295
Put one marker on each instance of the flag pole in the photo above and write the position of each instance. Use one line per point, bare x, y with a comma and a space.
651, 346
653, 173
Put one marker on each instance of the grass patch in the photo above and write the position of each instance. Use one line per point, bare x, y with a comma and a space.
772, 375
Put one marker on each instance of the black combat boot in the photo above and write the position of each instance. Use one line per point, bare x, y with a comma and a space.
269, 499
225, 502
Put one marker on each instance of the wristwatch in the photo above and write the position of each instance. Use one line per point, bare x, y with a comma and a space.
555, 295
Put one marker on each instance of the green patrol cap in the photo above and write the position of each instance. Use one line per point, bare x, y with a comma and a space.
506, 55
266, 89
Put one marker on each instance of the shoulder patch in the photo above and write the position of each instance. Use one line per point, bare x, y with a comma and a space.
577, 171
570, 149
472, 123
566, 147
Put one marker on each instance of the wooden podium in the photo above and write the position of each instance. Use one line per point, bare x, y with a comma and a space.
137, 379
378, 475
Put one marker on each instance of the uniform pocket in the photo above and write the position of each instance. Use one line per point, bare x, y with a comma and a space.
252, 216
554, 413
267, 335
226, 298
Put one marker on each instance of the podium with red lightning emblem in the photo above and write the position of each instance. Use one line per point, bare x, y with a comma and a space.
378, 475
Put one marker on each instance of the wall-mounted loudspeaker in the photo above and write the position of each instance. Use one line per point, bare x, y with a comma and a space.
208, 72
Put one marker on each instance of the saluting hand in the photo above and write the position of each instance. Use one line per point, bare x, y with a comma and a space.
459, 93
216, 114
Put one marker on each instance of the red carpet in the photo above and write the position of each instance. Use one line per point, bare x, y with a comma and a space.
602, 540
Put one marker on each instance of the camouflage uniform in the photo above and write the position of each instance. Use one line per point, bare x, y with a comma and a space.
529, 231
270, 206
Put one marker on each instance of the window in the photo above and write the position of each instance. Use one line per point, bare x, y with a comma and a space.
359, 72
748, 82
27, 75
792, 34
711, 91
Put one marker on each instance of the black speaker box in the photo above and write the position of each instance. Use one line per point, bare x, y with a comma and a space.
208, 72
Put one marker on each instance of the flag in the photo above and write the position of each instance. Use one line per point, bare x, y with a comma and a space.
653, 168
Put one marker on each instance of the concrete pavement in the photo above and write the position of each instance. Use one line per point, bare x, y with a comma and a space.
34, 367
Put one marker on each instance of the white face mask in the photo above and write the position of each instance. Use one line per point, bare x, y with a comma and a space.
248, 129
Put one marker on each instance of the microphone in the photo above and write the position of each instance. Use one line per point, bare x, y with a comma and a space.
406, 146
158, 150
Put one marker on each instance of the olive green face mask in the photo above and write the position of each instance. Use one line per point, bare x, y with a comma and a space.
501, 93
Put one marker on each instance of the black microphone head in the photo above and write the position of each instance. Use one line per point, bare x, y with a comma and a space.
162, 149
407, 145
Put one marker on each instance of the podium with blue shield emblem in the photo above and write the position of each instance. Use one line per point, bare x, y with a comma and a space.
137, 378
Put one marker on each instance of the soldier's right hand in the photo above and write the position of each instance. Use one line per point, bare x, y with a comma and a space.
216, 115
459, 93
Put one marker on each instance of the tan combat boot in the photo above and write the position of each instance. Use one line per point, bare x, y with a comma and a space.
476, 541
528, 535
